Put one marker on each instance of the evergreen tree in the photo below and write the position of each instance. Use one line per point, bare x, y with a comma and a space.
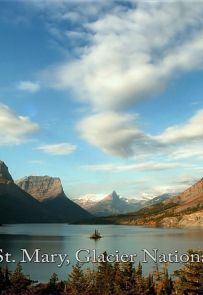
7, 281
104, 275
128, 273
191, 275
167, 283
76, 283
52, 285
117, 279
18, 280
140, 282
1, 280
138, 270
150, 287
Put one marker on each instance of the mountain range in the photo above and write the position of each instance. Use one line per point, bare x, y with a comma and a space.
36, 199
182, 210
113, 204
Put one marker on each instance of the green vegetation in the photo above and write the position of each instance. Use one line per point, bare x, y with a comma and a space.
110, 279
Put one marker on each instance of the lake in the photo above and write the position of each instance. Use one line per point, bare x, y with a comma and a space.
68, 239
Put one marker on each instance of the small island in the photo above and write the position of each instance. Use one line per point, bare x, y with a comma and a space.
96, 235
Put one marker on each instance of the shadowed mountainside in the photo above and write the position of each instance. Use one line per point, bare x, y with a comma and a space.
49, 192
36, 200
17, 205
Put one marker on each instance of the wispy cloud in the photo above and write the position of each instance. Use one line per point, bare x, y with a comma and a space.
191, 130
189, 151
58, 149
37, 162
28, 86
136, 167
15, 129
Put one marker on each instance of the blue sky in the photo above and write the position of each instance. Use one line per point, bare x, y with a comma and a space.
103, 94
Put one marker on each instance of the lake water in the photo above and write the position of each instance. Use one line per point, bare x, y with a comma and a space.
68, 239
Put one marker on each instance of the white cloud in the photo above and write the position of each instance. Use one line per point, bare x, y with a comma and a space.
119, 134
14, 129
114, 133
58, 149
29, 86
136, 167
129, 57
192, 130
194, 151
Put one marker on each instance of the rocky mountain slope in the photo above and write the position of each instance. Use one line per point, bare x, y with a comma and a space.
49, 192
16, 205
183, 210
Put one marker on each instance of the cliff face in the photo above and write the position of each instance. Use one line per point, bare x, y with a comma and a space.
49, 192
5, 176
17, 206
42, 188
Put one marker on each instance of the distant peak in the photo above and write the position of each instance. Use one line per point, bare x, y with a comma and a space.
113, 196
4, 173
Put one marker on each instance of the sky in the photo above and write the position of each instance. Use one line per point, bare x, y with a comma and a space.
106, 95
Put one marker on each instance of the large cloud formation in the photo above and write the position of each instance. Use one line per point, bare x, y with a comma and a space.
132, 54
128, 53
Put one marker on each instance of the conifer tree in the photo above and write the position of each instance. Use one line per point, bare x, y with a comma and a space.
139, 280
7, 281
18, 280
52, 285
117, 279
128, 277
150, 288
191, 275
76, 281
1, 280
104, 282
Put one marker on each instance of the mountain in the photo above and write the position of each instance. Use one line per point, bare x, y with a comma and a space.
157, 200
17, 206
112, 204
86, 203
5, 176
49, 192
190, 198
183, 210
